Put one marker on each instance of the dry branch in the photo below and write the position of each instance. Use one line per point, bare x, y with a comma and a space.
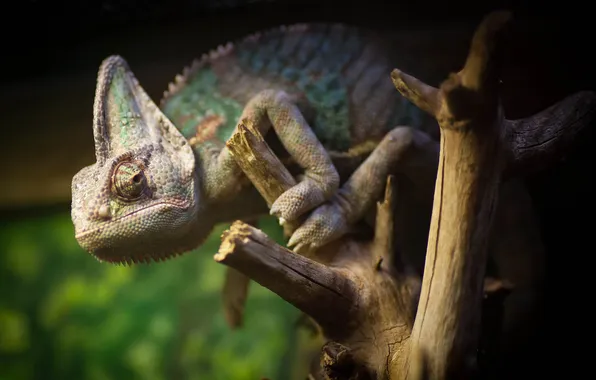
271, 179
385, 252
259, 163
364, 298
447, 325
262, 167
541, 139
477, 144
234, 295
384, 234
359, 304
446, 329
320, 291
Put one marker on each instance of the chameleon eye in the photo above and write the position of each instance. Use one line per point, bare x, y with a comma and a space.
128, 180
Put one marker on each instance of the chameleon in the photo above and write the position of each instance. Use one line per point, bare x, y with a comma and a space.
321, 94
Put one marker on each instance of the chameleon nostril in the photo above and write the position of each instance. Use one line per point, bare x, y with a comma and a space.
104, 212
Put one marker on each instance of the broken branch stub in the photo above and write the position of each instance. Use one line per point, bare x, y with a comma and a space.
384, 234
262, 167
314, 288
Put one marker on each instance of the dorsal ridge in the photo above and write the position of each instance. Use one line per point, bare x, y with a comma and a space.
180, 80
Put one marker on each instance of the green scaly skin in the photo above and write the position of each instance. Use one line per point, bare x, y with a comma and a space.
163, 176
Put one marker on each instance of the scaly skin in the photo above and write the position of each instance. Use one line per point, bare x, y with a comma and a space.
163, 177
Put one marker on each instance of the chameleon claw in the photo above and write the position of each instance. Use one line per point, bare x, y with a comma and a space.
299, 248
282, 221
305, 249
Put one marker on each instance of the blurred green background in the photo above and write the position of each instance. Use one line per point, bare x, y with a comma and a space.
64, 315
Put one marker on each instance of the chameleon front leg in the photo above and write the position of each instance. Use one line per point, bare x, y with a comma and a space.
403, 149
320, 181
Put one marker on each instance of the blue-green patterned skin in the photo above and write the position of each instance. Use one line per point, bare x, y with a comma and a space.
343, 72
199, 100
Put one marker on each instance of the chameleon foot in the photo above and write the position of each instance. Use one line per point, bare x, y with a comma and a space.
403, 149
303, 197
325, 224
321, 180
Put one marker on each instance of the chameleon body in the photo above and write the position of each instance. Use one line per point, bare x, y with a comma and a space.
341, 71
163, 176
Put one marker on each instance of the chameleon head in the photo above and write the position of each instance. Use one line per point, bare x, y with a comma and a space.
139, 201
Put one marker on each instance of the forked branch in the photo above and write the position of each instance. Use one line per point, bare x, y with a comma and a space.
356, 297
530, 143
362, 296
477, 145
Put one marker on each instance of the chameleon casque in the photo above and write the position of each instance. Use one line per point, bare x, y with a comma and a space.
163, 176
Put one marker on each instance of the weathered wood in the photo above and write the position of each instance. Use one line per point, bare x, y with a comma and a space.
262, 167
447, 325
535, 142
362, 294
234, 295
384, 233
259, 163
354, 296
477, 145
271, 179
320, 291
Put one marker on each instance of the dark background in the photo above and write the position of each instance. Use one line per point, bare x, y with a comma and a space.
51, 51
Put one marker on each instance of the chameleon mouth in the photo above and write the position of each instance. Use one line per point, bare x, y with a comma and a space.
182, 205
117, 241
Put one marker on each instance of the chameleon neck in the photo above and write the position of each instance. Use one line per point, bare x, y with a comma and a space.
205, 117
248, 204
227, 194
